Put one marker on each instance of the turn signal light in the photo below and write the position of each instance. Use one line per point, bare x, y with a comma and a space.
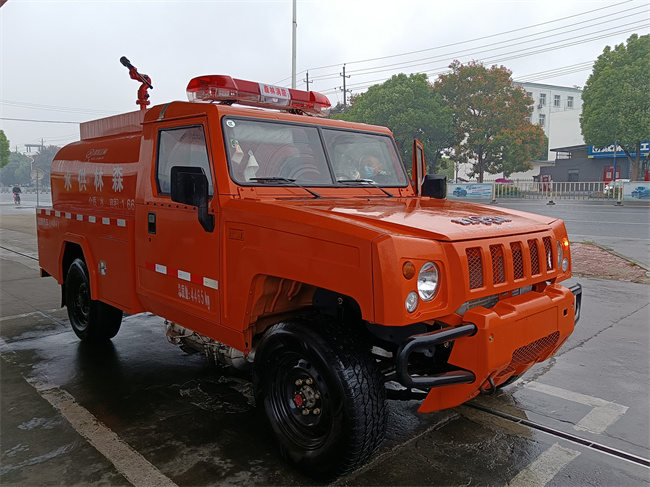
408, 270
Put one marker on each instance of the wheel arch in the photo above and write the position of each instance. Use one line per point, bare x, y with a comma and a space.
273, 299
76, 247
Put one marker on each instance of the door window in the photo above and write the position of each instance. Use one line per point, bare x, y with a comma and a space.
184, 146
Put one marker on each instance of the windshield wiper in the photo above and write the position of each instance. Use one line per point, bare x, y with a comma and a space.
286, 180
369, 182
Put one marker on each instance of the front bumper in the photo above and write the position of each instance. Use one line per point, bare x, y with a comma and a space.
493, 344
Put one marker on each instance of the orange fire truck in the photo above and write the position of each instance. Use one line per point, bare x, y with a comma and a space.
269, 236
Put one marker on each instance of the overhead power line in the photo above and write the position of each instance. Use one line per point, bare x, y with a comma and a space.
474, 52
32, 120
34, 106
469, 40
516, 54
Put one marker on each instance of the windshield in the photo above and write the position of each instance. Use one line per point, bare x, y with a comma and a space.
267, 152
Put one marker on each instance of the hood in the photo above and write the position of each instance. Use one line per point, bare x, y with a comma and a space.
427, 218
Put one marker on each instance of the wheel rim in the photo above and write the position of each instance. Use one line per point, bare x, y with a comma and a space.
300, 401
81, 306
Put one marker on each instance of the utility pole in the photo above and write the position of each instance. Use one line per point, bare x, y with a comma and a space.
293, 48
306, 80
345, 91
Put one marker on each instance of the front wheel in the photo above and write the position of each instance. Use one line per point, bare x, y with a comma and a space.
92, 321
322, 395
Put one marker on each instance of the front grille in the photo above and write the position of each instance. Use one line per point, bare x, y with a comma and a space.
534, 257
548, 253
529, 354
511, 261
517, 260
498, 264
475, 263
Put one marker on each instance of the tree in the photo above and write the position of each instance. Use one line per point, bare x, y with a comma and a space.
43, 160
616, 99
490, 119
411, 109
16, 171
4, 149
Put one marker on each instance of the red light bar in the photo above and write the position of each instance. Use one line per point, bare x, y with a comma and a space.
224, 89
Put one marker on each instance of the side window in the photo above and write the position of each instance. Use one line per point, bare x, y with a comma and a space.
183, 146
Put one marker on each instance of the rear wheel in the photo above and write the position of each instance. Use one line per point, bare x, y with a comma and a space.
92, 321
322, 395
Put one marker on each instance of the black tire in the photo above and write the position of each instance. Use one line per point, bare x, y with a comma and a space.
92, 321
316, 365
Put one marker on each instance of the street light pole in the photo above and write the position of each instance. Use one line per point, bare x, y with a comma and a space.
293, 48
34, 176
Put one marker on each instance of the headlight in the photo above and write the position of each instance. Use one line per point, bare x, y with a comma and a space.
411, 301
428, 281
562, 262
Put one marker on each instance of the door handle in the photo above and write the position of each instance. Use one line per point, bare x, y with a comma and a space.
151, 223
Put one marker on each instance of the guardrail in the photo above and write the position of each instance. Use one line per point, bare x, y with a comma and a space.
550, 191
557, 190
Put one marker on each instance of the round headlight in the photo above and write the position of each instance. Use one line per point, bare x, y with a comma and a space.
428, 281
411, 301
565, 265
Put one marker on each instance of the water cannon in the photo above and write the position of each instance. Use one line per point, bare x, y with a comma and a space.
143, 95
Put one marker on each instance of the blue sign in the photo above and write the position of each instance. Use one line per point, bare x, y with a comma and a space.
608, 152
482, 190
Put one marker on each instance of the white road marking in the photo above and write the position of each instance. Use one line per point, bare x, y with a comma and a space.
604, 414
33, 313
133, 466
541, 471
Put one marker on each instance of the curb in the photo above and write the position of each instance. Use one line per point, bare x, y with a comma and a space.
616, 254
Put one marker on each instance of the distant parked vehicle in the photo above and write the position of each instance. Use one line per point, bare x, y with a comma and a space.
503, 181
617, 183
641, 192
458, 191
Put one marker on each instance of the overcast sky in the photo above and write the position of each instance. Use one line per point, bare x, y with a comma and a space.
59, 60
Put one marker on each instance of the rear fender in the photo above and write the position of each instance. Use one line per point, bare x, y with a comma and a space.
77, 246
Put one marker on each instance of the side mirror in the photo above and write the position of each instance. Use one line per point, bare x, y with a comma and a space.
190, 187
435, 186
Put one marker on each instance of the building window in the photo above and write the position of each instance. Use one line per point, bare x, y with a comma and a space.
542, 119
530, 94
573, 175
557, 101
528, 118
569, 102
542, 99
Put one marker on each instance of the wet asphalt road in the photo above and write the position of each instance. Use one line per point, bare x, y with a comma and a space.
139, 411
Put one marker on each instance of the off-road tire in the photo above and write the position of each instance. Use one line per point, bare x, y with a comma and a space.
92, 321
335, 367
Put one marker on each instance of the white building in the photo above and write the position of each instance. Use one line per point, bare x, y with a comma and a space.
557, 109
556, 105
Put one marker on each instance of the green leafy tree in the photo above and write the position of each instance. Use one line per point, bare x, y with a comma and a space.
411, 109
4, 149
616, 99
490, 119
16, 171
43, 160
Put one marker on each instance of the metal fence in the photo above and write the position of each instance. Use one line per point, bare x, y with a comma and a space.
597, 190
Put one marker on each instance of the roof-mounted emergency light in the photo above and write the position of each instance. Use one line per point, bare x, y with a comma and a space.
224, 89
